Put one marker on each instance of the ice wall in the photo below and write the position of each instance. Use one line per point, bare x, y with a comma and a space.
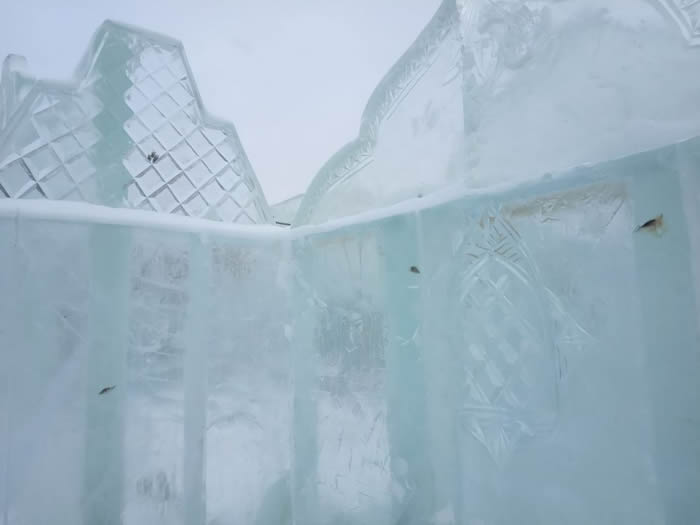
144, 369
475, 354
497, 91
527, 355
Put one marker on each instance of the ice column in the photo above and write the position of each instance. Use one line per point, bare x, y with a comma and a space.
669, 323
106, 373
304, 446
195, 361
405, 364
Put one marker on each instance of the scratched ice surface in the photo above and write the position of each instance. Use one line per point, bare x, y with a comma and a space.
129, 131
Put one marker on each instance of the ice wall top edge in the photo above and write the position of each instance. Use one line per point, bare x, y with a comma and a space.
612, 171
129, 130
81, 212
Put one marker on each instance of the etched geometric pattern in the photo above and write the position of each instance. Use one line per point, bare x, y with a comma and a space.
686, 13
510, 359
197, 169
132, 133
58, 163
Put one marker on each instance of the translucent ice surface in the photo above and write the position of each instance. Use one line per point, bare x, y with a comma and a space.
506, 90
130, 131
528, 355
144, 369
284, 212
509, 332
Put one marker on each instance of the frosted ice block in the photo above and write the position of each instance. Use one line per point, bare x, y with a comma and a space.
536, 358
133, 388
497, 91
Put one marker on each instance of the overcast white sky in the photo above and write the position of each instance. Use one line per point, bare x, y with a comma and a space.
292, 75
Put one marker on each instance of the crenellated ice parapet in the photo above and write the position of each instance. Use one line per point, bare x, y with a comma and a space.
129, 131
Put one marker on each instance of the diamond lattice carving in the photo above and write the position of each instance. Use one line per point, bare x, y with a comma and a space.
510, 358
131, 132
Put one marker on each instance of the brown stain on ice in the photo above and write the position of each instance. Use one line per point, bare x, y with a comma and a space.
655, 225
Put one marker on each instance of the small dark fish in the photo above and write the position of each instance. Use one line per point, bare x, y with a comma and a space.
152, 157
107, 389
415, 269
652, 225
283, 223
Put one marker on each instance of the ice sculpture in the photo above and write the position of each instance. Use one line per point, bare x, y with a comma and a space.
528, 355
505, 90
130, 131
522, 354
